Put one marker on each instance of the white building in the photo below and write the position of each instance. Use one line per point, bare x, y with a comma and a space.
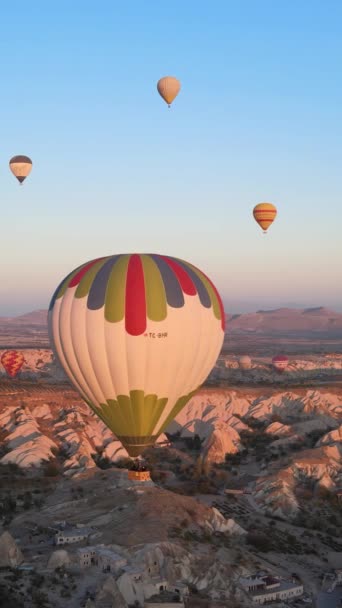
270, 589
72, 535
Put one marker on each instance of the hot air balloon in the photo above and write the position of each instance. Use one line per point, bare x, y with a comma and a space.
245, 362
264, 214
21, 167
12, 360
137, 334
280, 363
168, 88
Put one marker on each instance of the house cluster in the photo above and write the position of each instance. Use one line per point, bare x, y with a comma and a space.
148, 576
262, 589
107, 560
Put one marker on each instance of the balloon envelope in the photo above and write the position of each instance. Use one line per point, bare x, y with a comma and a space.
280, 362
12, 360
245, 362
137, 335
168, 88
21, 167
264, 214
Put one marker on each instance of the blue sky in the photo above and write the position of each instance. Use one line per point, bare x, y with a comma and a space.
114, 170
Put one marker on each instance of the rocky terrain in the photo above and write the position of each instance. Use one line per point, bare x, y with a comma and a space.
286, 439
246, 478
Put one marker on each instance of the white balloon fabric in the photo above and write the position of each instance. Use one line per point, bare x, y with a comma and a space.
137, 335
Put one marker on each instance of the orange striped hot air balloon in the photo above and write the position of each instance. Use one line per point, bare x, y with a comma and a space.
264, 215
168, 88
12, 360
20, 166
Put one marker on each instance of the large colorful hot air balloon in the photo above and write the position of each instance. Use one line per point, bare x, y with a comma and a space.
12, 360
264, 215
137, 335
280, 362
245, 362
21, 167
168, 88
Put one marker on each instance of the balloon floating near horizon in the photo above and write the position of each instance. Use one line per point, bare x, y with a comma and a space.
21, 167
280, 363
137, 334
245, 362
168, 88
12, 360
265, 214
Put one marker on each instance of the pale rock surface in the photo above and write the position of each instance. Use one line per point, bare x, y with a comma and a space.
114, 451
130, 590
58, 559
42, 411
10, 554
277, 428
334, 437
110, 592
221, 441
219, 523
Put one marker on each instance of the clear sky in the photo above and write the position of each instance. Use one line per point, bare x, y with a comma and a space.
114, 170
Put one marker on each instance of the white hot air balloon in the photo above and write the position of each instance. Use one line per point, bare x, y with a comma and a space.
245, 362
137, 335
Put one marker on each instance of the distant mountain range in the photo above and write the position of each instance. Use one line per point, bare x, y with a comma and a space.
287, 321
31, 329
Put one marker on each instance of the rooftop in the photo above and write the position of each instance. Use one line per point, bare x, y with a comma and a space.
75, 532
283, 586
108, 553
247, 582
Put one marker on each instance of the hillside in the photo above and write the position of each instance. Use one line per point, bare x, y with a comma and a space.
252, 331
287, 321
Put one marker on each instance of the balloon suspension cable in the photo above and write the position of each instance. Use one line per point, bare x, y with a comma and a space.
139, 464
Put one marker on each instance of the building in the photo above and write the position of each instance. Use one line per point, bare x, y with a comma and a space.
109, 561
72, 535
270, 589
86, 556
103, 557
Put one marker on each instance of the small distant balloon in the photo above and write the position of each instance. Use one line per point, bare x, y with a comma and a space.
12, 360
264, 215
280, 363
21, 167
168, 88
245, 362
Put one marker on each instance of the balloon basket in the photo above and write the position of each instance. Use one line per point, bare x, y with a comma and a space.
139, 475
